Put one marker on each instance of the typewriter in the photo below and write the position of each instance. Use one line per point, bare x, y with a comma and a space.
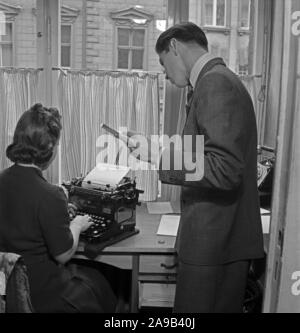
109, 196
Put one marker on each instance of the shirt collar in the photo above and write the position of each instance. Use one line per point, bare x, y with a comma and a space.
198, 66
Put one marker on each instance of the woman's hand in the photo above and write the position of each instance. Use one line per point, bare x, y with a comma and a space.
72, 209
82, 222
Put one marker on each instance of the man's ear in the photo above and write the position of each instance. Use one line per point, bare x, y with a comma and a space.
173, 46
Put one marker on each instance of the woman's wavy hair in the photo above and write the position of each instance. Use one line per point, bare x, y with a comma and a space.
35, 136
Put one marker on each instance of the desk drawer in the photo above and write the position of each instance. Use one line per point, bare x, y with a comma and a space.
164, 264
156, 295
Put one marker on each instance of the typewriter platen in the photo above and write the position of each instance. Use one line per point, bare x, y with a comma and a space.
111, 207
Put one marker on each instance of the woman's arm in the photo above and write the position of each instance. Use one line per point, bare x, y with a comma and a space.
78, 225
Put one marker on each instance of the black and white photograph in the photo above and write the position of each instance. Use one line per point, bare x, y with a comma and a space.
150, 159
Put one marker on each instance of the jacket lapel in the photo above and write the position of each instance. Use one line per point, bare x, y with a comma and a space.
212, 63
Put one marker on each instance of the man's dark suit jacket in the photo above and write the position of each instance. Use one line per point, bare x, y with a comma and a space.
220, 216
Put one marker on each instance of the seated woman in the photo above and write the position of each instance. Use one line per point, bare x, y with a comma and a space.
34, 222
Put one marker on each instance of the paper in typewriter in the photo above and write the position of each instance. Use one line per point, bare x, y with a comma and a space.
106, 174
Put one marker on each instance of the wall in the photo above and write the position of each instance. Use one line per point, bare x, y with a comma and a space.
282, 292
100, 31
226, 42
25, 34
97, 27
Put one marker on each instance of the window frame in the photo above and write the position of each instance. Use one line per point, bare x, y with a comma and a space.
71, 44
214, 23
130, 47
128, 18
249, 17
11, 12
12, 43
68, 16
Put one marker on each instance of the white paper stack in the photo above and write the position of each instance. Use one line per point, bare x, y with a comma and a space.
159, 207
265, 220
168, 225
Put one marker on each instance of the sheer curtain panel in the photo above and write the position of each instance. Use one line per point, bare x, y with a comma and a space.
118, 99
19, 90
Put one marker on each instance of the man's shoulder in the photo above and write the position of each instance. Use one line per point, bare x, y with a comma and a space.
219, 72
218, 78
214, 80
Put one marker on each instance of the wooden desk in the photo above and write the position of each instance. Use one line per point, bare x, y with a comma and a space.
131, 253
126, 254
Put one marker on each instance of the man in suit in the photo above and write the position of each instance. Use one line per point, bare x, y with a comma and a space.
220, 229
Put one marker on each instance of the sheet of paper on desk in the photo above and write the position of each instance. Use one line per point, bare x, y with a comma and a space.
264, 211
265, 220
159, 207
168, 225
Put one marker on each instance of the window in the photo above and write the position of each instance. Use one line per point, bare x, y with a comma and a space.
130, 48
243, 70
66, 33
69, 16
6, 46
243, 60
131, 26
215, 13
245, 8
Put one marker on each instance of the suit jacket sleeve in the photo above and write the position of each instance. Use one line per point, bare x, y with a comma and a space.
218, 113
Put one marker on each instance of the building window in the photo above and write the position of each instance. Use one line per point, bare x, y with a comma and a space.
66, 37
243, 61
131, 47
6, 46
245, 10
215, 13
243, 70
131, 26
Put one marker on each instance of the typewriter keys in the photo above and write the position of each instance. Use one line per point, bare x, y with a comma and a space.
98, 228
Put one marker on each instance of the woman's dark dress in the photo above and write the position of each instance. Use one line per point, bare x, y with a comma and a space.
34, 223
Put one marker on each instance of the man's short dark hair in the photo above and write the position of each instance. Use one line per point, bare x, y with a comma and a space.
35, 136
184, 32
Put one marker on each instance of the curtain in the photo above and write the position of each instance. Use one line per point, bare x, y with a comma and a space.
172, 192
175, 98
19, 90
118, 99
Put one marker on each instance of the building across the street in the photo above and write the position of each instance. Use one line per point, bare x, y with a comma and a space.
121, 35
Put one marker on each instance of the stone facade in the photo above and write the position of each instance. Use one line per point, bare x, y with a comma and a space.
23, 31
101, 34
93, 32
